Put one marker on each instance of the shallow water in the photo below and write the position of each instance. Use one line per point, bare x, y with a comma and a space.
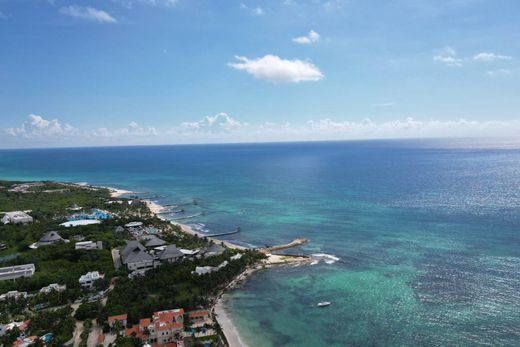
427, 233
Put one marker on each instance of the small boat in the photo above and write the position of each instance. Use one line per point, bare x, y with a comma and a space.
323, 304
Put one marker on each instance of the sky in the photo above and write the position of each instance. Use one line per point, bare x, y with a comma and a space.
131, 72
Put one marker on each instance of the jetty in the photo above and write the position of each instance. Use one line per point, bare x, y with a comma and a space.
237, 230
294, 243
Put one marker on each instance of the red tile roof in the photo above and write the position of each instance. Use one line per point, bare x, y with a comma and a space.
144, 322
134, 330
167, 326
198, 313
117, 317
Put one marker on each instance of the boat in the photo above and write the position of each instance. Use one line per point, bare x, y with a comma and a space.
323, 304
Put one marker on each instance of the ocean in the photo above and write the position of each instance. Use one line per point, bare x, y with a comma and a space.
427, 232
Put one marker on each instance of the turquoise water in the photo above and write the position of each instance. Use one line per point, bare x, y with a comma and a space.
427, 232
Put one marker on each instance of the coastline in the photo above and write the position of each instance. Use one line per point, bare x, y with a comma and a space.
218, 308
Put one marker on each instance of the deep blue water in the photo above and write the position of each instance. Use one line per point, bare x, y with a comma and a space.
428, 232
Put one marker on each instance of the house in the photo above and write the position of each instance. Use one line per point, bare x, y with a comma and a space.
153, 241
213, 250
121, 318
88, 245
203, 270
170, 254
89, 278
16, 217
22, 325
53, 287
236, 256
164, 327
17, 271
13, 294
47, 239
135, 257
133, 224
25, 341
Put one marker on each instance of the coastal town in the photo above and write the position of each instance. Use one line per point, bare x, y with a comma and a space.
93, 266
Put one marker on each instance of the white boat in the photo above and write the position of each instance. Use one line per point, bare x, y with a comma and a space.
323, 303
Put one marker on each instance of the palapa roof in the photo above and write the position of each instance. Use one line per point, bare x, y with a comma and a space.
50, 236
154, 241
134, 252
170, 252
214, 249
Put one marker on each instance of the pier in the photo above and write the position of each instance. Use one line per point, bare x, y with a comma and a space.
237, 230
294, 243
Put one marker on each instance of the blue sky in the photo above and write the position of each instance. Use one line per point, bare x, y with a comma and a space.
86, 72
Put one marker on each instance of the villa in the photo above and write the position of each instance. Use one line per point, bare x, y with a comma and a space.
164, 327
89, 278
17, 217
17, 271
203, 270
213, 250
135, 257
121, 318
14, 294
153, 241
88, 245
170, 254
199, 318
53, 287
47, 239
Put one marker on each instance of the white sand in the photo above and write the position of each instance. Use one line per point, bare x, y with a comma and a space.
227, 326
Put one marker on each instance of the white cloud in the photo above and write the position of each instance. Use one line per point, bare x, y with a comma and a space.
448, 56
254, 11
219, 122
131, 130
87, 13
275, 69
39, 127
499, 72
311, 37
488, 56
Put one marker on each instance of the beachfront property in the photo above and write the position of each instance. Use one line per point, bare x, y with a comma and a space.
87, 280
236, 256
213, 250
53, 287
203, 270
13, 295
135, 257
170, 254
88, 245
17, 271
199, 318
47, 239
16, 217
164, 327
113, 321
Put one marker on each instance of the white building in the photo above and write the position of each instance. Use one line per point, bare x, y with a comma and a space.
89, 278
17, 271
88, 245
16, 217
202, 270
13, 294
53, 287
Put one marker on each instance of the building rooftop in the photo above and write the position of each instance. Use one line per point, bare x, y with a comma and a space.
170, 252
134, 252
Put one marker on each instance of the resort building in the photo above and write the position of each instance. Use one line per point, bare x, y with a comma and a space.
164, 327
199, 318
53, 287
213, 250
47, 239
89, 278
135, 257
121, 318
22, 325
203, 270
133, 224
13, 294
88, 245
170, 254
153, 241
16, 217
17, 271
75, 223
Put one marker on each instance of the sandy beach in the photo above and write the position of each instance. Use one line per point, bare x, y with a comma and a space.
229, 329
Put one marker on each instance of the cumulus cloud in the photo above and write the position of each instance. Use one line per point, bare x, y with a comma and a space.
311, 37
39, 127
275, 69
131, 130
448, 56
130, 3
87, 13
489, 56
221, 122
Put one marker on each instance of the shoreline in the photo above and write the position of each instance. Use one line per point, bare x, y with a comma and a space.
218, 309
